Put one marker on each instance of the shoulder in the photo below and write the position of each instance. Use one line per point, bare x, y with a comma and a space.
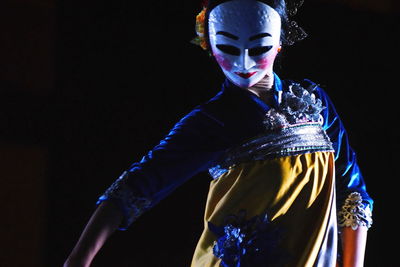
305, 83
202, 116
316, 87
217, 109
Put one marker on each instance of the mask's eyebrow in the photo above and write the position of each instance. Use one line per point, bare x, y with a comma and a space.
229, 35
259, 36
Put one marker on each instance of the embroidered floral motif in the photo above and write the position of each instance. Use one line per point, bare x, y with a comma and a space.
298, 105
131, 205
245, 243
275, 120
354, 213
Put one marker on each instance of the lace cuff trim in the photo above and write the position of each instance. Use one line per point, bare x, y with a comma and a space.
131, 205
354, 213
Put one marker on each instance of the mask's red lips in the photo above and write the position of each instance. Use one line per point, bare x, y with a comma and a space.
245, 75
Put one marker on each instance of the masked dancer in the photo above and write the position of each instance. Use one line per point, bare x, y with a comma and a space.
286, 189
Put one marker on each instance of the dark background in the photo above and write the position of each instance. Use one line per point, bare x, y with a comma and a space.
88, 87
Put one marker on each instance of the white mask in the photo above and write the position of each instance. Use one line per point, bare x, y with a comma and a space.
245, 38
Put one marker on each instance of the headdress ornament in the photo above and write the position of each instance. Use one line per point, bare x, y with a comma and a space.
294, 32
200, 39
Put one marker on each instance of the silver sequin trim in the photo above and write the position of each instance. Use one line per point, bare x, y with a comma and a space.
132, 205
292, 140
354, 213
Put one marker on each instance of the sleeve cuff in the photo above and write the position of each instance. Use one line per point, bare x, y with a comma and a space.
131, 205
354, 212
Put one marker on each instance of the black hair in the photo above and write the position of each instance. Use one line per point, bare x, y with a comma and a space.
278, 5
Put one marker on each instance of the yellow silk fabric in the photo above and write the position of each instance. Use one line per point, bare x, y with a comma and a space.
296, 192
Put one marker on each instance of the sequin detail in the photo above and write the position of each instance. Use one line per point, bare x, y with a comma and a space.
354, 213
293, 127
294, 32
296, 105
292, 140
292, 6
300, 104
246, 243
132, 206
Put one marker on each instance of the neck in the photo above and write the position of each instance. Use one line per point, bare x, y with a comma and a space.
263, 89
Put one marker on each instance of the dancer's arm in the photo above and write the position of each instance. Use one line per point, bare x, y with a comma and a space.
101, 225
353, 202
353, 246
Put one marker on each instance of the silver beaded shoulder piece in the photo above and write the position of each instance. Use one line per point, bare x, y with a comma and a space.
294, 127
354, 213
131, 205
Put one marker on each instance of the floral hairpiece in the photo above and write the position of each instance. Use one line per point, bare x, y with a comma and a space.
200, 39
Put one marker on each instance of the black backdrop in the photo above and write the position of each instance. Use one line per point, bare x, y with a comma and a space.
126, 72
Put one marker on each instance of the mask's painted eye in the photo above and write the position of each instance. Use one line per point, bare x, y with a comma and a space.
256, 51
229, 49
